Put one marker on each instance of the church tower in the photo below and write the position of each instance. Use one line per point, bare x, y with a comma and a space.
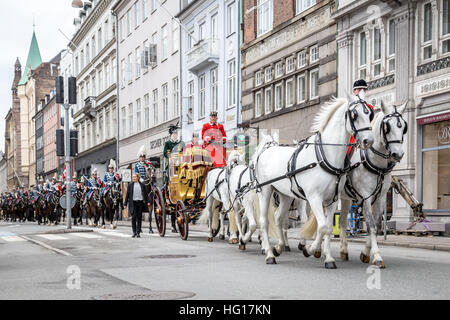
17, 76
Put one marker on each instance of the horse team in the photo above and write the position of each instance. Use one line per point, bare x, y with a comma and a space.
42, 205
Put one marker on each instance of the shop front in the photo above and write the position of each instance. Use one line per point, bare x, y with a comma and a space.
435, 159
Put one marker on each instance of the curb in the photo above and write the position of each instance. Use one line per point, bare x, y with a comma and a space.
415, 245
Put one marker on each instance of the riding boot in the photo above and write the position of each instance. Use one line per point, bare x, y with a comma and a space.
150, 230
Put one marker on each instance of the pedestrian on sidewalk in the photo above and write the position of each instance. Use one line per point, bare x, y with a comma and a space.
136, 200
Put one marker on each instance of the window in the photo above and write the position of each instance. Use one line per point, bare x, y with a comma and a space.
155, 42
165, 102
82, 60
445, 26
144, 9
201, 31
94, 53
391, 49
190, 39
83, 139
100, 129
427, 31
155, 107
107, 124
265, 16
130, 119
214, 90
123, 71
146, 111
154, 5
214, 27
88, 56
258, 78
130, 68
176, 98
231, 83
435, 159
301, 59
290, 64
268, 100
88, 136
314, 84
362, 55
231, 18
302, 5
114, 70
289, 92
175, 38
191, 98
137, 13
138, 116
301, 88
268, 74
124, 122
279, 69
314, 53
138, 62
94, 86
128, 22
114, 121
100, 81
202, 97
122, 30
376, 51
107, 76
164, 43
106, 31
258, 103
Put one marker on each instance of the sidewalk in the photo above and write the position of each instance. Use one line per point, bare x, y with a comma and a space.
426, 242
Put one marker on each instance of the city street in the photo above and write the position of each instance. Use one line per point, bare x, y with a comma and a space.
40, 262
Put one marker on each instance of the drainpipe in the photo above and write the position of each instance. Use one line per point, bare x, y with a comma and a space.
117, 88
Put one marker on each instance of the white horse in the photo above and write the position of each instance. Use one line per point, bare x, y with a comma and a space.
369, 182
218, 204
315, 172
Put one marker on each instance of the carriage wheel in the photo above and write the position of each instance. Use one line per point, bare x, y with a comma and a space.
159, 210
182, 220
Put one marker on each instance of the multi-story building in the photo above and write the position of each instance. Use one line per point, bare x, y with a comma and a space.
39, 135
402, 49
149, 77
15, 175
3, 173
93, 53
210, 64
288, 64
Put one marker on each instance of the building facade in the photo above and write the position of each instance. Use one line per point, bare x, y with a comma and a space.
93, 53
288, 64
210, 64
3, 173
15, 174
402, 49
51, 122
149, 77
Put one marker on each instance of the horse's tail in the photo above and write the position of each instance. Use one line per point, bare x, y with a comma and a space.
216, 213
252, 199
310, 227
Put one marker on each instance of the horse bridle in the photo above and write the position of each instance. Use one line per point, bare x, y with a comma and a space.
352, 115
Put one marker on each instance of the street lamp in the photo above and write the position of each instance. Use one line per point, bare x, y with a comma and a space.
77, 4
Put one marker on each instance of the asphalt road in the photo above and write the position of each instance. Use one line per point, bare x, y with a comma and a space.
37, 263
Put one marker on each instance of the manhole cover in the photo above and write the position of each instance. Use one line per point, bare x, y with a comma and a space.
169, 256
154, 295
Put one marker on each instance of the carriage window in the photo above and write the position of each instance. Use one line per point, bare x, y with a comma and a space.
435, 160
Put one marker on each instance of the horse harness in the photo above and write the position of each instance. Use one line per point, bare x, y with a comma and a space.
370, 166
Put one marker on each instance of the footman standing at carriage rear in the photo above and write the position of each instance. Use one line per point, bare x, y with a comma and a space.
214, 137
141, 168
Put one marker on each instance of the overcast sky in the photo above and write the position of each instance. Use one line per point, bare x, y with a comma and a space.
16, 29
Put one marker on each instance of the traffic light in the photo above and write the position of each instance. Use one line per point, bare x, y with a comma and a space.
72, 90
73, 143
59, 85
60, 143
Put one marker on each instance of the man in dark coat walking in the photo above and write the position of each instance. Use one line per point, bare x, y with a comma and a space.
137, 201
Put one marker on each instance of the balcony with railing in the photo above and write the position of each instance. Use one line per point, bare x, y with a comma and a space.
89, 107
203, 54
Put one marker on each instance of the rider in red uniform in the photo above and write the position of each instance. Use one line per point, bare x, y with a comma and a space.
359, 90
214, 137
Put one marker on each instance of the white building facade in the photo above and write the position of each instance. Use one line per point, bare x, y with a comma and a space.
402, 49
210, 65
94, 64
149, 76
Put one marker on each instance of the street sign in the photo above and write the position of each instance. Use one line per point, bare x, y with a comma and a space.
63, 202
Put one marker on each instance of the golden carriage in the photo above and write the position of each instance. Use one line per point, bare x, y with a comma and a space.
184, 189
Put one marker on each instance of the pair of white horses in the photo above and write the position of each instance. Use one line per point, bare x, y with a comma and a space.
316, 172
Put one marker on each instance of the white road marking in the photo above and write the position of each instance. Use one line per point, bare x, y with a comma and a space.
87, 235
116, 234
52, 237
42, 244
13, 238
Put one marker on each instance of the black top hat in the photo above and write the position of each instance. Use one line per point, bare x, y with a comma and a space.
213, 114
360, 84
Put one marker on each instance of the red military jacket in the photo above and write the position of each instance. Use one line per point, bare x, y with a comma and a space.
216, 132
